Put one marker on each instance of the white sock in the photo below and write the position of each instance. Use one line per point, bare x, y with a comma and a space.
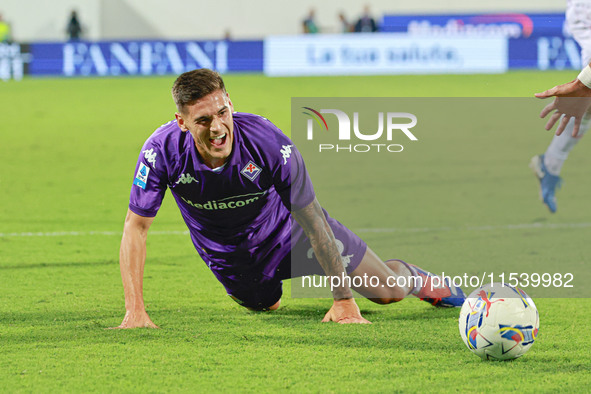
562, 144
553, 164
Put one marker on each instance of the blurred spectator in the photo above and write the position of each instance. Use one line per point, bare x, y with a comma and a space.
366, 24
74, 28
346, 27
309, 24
5, 31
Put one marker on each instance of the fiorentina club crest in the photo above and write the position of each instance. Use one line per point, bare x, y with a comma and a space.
251, 171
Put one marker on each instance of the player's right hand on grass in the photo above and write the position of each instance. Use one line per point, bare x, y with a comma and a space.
345, 311
136, 320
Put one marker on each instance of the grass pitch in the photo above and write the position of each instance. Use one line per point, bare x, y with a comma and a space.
68, 150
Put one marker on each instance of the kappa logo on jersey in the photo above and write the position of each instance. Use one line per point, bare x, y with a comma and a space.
186, 178
142, 176
286, 152
150, 156
251, 171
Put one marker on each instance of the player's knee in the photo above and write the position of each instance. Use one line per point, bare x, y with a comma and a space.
388, 295
396, 265
273, 307
386, 300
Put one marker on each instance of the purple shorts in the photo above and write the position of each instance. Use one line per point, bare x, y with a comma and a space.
260, 291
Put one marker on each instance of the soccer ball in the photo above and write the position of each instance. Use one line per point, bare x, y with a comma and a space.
499, 322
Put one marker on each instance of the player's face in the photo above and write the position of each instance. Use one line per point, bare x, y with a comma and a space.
209, 120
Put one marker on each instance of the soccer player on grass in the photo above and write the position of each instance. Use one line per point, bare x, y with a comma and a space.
547, 166
245, 195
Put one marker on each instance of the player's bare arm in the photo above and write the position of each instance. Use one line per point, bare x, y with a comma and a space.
573, 99
132, 258
317, 229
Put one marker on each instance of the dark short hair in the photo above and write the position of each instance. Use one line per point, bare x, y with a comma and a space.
193, 85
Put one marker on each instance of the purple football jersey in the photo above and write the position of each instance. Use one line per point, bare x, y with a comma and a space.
238, 216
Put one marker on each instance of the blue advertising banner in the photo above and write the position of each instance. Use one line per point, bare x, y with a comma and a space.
143, 57
545, 53
14, 61
536, 41
401, 53
510, 25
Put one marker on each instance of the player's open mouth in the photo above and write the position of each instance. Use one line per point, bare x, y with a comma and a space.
219, 140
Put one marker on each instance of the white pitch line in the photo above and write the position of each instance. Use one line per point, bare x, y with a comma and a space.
524, 226
85, 233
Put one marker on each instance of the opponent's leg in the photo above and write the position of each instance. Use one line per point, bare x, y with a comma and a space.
396, 279
547, 166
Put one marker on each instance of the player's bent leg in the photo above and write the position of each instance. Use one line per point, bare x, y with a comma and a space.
380, 280
393, 280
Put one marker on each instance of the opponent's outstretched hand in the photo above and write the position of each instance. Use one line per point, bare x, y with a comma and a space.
345, 312
572, 100
136, 320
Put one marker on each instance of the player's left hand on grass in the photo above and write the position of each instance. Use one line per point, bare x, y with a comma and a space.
345, 311
572, 100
